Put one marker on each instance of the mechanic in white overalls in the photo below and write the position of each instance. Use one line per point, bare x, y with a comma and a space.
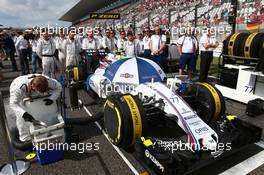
30, 86
59, 46
72, 50
46, 49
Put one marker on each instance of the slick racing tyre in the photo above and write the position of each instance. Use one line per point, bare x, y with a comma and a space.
248, 45
124, 120
209, 102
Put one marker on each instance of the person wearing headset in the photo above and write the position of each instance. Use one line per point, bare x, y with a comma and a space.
29, 86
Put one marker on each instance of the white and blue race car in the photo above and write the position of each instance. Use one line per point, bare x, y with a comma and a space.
172, 125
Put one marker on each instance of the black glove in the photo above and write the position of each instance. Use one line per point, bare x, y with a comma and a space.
48, 102
27, 117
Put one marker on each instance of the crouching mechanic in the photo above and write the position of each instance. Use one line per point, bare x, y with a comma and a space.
30, 86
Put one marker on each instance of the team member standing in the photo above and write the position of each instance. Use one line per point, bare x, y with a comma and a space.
28, 86
90, 42
61, 55
113, 41
99, 36
146, 41
79, 36
35, 57
106, 42
121, 40
140, 43
72, 50
187, 46
46, 50
131, 46
157, 46
10, 47
29, 36
22, 50
208, 44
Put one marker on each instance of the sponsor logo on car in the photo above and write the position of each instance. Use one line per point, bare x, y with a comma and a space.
196, 123
154, 160
201, 130
189, 117
185, 111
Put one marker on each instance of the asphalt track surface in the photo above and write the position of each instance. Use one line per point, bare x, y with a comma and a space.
107, 160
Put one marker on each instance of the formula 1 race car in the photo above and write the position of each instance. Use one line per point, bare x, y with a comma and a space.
172, 126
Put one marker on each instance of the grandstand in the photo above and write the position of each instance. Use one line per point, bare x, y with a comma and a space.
172, 12
250, 12
137, 14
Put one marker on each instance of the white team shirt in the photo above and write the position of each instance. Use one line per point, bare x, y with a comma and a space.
34, 44
21, 43
72, 47
59, 43
157, 41
131, 48
140, 46
59, 46
146, 41
121, 43
91, 44
45, 47
207, 40
188, 44
100, 39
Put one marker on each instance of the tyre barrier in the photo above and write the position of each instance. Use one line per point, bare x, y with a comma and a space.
248, 45
124, 120
234, 44
254, 45
209, 102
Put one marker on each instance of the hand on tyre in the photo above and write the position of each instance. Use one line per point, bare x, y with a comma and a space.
27, 117
48, 102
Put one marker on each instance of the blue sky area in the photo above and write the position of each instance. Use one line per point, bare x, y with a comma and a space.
29, 13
